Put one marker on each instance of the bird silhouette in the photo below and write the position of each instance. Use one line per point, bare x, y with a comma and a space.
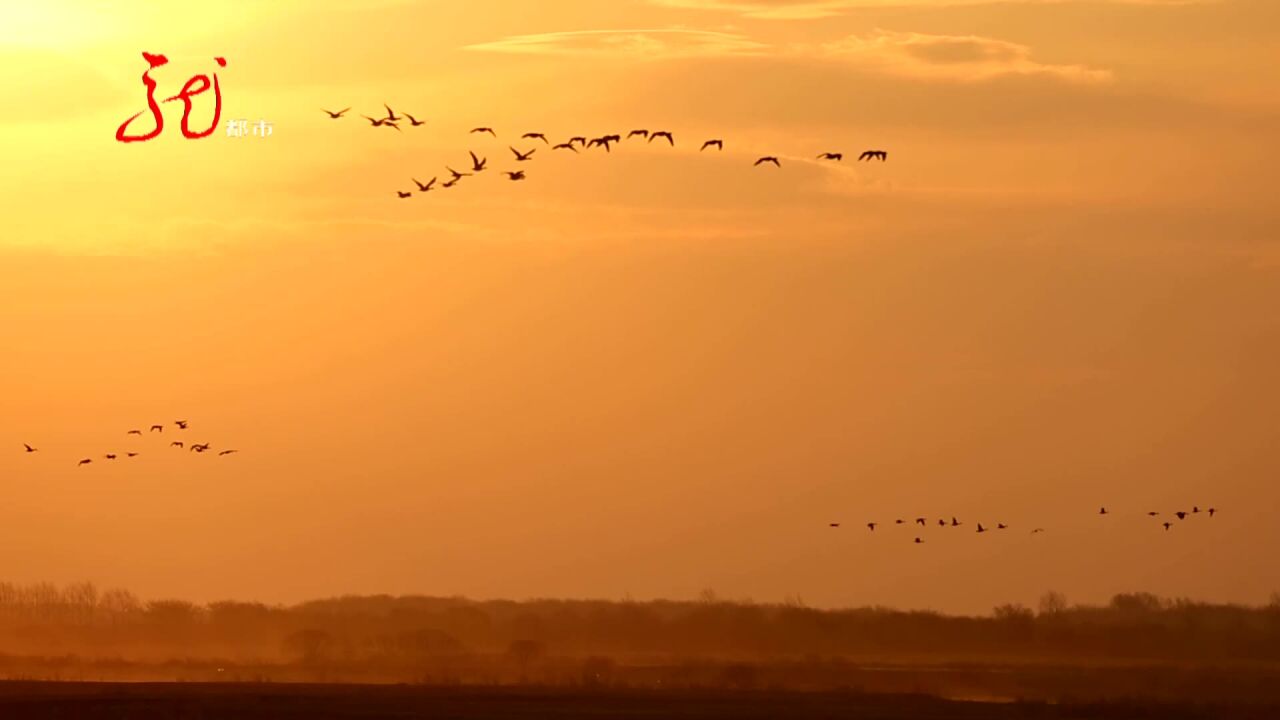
515, 175
717, 144
831, 156
424, 188
199, 447
565, 146
85, 461
1195, 508
484, 130
880, 155
662, 134
955, 523
132, 454
834, 525
1153, 513
176, 443
1103, 511
641, 133
899, 521
919, 541
942, 523
415, 122
578, 139
376, 122
1037, 530
1181, 515
1212, 512
110, 456
872, 526
336, 115
521, 157
182, 424
456, 175
981, 529
157, 428
920, 522
28, 448
134, 432
1167, 525
1001, 526
768, 159
391, 115
450, 183
602, 142
535, 136
477, 164
227, 452
402, 195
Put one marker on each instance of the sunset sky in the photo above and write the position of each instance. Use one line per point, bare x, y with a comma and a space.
655, 370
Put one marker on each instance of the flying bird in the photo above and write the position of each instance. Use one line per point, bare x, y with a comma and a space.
176, 443
456, 175
641, 133
981, 529
942, 523
110, 456
1181, 515
1167, 525
899, 521
834, 525
227, 452
665, 134
1103, 511
717, 144
831, 156
768, 159
336, 115
199, 448
28, 448
182, 424
602, 142
1212, 512
402, 195
157, 428
134, 432
424, 188
415, 122
920, 522
880, 155
484, 130
1195, 508
376, 122
450, 183
578, 139
477, 164
85, 461
1001, 526
919, 541
565, 146
391, 115
132, 454
535, 136
1037, 530
525, 156
872, 526
516, 175
955, 523
1153, 513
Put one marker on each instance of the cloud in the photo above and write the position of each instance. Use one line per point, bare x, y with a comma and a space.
963, 58
812, 9
642, 44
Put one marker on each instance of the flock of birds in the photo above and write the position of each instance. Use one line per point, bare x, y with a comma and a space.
198, 448
954, 523
479, 164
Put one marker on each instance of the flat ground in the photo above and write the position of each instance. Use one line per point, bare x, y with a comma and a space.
197, 701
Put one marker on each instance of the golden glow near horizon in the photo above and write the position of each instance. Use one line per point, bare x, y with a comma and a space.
658, 369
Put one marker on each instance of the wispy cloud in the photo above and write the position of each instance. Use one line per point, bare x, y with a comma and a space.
963, 58
641, 44
813, 9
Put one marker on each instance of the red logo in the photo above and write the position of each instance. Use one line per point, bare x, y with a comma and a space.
193, 87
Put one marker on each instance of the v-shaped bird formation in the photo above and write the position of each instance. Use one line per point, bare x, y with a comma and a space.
981, 529
573, 144
177, 426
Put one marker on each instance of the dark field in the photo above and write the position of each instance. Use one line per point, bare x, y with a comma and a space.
195, 701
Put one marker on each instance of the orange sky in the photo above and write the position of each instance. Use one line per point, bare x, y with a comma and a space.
656, 370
